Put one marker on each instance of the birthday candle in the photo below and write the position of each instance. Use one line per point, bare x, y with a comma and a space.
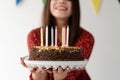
56, 35
63, 36
46, 36
67, 39
52, 36
41, 36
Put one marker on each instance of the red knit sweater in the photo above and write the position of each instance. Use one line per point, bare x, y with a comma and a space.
85, 41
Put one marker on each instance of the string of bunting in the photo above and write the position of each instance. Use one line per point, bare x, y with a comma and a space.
95, 3
19, 1
119, 1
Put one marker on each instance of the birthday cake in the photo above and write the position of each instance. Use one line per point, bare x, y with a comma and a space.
52, 53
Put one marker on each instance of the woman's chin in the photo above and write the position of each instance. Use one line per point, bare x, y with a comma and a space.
61, 17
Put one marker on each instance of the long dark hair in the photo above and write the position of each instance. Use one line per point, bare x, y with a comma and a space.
74, 20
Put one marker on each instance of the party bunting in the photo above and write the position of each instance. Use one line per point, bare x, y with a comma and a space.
44, 1
18, 1
119, 1
96, 4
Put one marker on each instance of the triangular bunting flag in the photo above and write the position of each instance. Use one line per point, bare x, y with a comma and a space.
119, 1
44, 1
18, 1
96, 4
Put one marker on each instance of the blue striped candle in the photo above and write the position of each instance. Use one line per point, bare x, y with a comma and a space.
52, 36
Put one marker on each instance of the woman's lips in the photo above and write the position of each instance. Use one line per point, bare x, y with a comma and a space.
61, 8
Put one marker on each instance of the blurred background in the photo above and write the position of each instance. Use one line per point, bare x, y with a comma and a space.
17, 20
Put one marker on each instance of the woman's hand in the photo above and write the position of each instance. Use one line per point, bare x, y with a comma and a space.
60, 74
40, 74
37, 73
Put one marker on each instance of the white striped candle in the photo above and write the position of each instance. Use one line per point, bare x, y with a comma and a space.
67, 39
46, 36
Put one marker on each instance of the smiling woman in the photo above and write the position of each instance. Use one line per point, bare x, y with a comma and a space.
59, 14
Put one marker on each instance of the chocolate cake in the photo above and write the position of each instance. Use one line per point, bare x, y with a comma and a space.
53, 53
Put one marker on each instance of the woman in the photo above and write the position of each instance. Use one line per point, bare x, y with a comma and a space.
62, 13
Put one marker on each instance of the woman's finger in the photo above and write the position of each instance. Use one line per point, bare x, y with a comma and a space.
41, 70
68, 70
33, 70
60, 70
81, 68
54, 70
49, 70
22, 62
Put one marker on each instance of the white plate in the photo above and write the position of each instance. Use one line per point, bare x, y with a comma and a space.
55, 64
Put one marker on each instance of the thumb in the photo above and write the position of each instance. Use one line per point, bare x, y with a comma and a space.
22, 62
